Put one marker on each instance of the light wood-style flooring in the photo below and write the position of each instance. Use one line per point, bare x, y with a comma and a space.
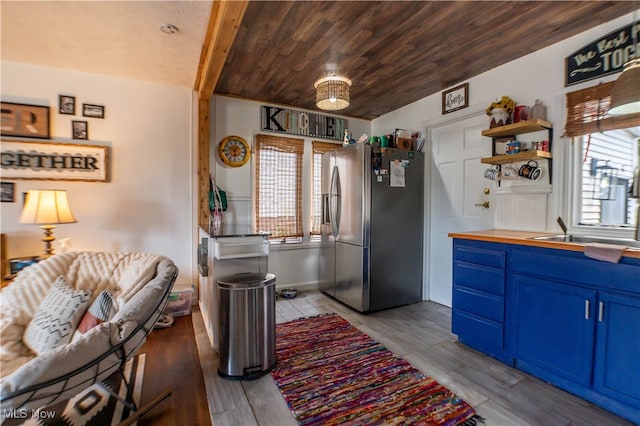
420, 333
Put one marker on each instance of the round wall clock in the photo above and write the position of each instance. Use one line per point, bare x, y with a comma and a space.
234, 151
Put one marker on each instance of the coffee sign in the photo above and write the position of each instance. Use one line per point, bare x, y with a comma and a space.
604, 56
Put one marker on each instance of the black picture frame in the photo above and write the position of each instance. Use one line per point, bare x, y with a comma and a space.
66, 105
7, 192
24, 120
455, 99
93, 110
80, 130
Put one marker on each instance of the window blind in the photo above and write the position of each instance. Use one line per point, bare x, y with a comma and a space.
587, 112
279, 185
318, 148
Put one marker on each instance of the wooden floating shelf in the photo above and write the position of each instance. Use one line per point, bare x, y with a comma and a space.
521, 156
534, 125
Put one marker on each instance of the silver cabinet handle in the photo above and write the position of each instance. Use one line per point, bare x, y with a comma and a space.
587, 306
601, 311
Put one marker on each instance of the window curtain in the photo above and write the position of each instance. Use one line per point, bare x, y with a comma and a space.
587, 112
279, 186
318, 148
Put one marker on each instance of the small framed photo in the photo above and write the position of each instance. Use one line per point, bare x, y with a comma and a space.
79, 130
67, 104
455, 99
7, 192
94, 111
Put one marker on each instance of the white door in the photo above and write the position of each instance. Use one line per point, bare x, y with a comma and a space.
457, 192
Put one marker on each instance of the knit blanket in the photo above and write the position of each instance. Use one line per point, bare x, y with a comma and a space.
122, 273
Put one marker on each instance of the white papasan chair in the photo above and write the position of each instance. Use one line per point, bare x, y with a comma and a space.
138, 284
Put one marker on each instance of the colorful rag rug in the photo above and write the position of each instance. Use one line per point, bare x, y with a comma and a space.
95, 406
331, 373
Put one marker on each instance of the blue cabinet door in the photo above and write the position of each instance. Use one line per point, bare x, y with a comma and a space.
555, 329
617, 361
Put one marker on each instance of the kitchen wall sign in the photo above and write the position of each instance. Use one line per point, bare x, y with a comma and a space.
604, 56
455, 99
54, 161
22, 120
302, 123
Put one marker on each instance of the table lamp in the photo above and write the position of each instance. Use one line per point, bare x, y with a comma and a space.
48, 208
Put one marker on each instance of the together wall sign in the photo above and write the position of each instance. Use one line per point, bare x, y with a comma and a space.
54, 161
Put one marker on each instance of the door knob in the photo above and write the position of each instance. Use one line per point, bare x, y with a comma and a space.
485, 204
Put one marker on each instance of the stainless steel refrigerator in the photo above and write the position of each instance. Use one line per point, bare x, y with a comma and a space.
372, 226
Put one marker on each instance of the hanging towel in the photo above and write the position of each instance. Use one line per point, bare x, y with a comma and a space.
605, 252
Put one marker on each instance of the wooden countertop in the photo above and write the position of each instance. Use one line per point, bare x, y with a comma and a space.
523, 238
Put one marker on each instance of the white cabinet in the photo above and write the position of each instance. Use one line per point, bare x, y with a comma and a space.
233, 252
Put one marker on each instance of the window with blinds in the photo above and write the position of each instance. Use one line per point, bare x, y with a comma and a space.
604, 143
278, 197
318, 148
587, 112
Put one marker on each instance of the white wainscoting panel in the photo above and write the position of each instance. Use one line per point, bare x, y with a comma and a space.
238, 210
522, 208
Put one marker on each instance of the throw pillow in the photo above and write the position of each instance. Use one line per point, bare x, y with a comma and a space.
101, 310
56, 318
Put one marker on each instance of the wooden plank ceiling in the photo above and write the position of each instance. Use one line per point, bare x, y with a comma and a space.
395, 52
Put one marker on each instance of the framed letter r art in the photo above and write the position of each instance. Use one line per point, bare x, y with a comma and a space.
27, 121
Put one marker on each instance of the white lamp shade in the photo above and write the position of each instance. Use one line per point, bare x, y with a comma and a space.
47, 207
625, 94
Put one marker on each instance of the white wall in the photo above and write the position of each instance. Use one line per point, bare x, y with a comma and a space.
293, 264
148, 203
539, 75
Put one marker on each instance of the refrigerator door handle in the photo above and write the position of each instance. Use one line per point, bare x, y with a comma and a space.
326, 212
334, 201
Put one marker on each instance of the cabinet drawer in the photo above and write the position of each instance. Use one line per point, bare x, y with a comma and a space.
239, 247
481, 256
563, 266
483, 304
479, 277
476, 331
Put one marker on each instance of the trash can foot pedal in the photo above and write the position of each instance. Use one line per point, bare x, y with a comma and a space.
250, 373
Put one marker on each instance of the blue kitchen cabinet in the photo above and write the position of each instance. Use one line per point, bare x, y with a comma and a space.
556, 314
554, 329
617, 357
477, 316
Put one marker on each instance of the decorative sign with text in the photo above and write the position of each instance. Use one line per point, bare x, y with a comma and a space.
455, 99
302, 123
54, 161
604, 56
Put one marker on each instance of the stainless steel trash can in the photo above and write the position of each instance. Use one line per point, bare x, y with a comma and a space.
247, 325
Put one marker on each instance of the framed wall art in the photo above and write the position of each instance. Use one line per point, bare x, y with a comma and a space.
79, 130
26, 121
455, 98
54, 161
7, 192
94, 111
66, 104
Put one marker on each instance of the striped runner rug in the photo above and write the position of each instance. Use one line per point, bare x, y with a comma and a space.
331, 373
